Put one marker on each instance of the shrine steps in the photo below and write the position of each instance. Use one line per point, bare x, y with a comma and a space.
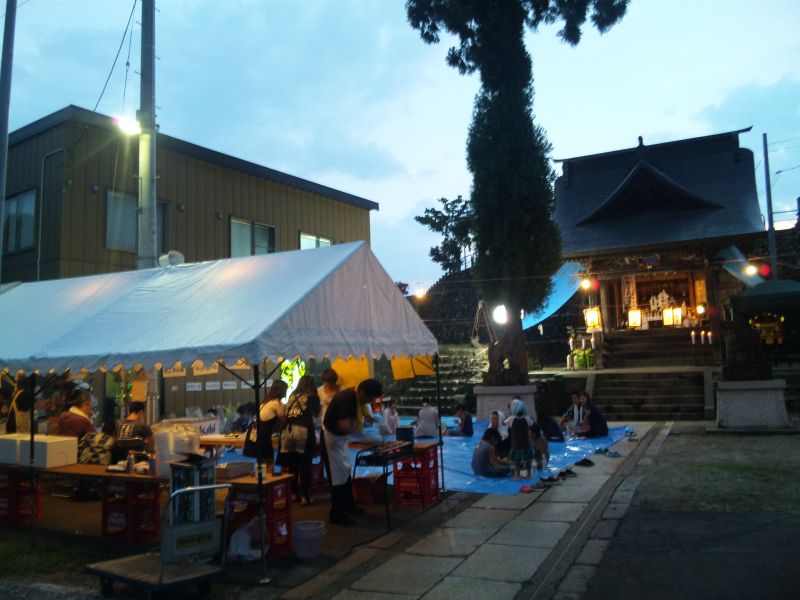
650, 396
657, 348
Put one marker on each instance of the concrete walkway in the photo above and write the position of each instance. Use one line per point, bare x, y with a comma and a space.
540, 545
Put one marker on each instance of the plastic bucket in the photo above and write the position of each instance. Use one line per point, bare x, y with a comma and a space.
308, 538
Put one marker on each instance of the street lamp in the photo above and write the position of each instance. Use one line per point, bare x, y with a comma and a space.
128, 126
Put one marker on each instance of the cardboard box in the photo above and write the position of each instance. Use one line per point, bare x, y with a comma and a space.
50, 451
9, 447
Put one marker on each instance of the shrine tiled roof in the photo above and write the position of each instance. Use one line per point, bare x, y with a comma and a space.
678, 191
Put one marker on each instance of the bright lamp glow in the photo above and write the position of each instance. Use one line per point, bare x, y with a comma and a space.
586, 284
500, 315
751, 270
701, 309
592, 318
666, 315
129, 126
634, 318
677, 316
420, 293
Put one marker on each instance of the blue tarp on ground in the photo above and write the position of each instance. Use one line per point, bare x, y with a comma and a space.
458, 475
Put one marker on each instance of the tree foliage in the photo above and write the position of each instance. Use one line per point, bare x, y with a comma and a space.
517, 244
454, 222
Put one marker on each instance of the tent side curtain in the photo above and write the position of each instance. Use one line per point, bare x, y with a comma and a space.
735, 262
408, 367
565, 282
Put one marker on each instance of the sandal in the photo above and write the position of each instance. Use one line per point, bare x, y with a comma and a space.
584, 462
526, 489
612, 454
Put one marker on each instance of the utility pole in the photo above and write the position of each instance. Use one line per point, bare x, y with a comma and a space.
147, 140
5, 104
773, 259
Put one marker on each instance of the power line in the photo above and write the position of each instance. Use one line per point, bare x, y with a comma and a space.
20, 5
116, 57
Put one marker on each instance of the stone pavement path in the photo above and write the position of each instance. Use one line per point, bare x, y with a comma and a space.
499, 547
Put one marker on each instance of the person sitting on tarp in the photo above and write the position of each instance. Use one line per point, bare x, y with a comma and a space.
485, 461
388, 426
346, 412
570, 419
593, 423
496, 422
464, 423
427, 422
77, 420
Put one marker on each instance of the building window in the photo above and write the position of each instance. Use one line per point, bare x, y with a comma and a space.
122, 223
20, 221
249, 238
308, 241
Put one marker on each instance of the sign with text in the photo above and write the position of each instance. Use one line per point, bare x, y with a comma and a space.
194, 386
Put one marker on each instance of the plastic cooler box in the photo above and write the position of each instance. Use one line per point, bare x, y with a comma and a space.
49, 450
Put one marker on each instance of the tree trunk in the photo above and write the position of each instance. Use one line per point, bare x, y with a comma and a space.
508, 359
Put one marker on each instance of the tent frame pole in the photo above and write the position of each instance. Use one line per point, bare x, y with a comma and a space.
439, 412
32, 389
257, 384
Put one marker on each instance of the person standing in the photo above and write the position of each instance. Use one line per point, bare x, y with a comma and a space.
298, 442
326, 392
77, 421
19, 414
521, 454
270, 415
345, 415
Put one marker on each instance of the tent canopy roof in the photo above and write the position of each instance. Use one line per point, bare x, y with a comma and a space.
329, 302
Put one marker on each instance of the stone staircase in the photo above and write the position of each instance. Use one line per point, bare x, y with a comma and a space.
460, 367
657, 348
641, 396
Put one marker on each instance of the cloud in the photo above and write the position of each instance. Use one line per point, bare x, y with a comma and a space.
775, 110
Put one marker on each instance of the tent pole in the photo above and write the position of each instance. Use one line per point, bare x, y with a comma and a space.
33, 429
439, 412
257, 384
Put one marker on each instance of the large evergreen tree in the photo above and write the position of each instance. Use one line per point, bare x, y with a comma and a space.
516, 242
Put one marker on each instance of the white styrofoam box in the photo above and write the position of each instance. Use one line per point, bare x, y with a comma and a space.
50, 451
9, 447
202, 426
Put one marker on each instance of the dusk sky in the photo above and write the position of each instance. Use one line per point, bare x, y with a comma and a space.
345, 93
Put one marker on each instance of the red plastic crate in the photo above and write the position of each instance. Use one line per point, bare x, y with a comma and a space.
408, 489
279, 530
317, 477
426, 462
277, 495
23, 503
369, 491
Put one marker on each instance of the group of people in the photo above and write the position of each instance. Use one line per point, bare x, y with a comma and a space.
340, 412
511, 445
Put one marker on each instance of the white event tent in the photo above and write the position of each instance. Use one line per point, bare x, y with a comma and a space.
329, 302
335, 302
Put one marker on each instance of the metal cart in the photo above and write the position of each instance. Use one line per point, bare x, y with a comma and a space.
184, 559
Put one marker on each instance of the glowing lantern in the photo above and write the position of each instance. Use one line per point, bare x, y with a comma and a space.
634, 318
592, 318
